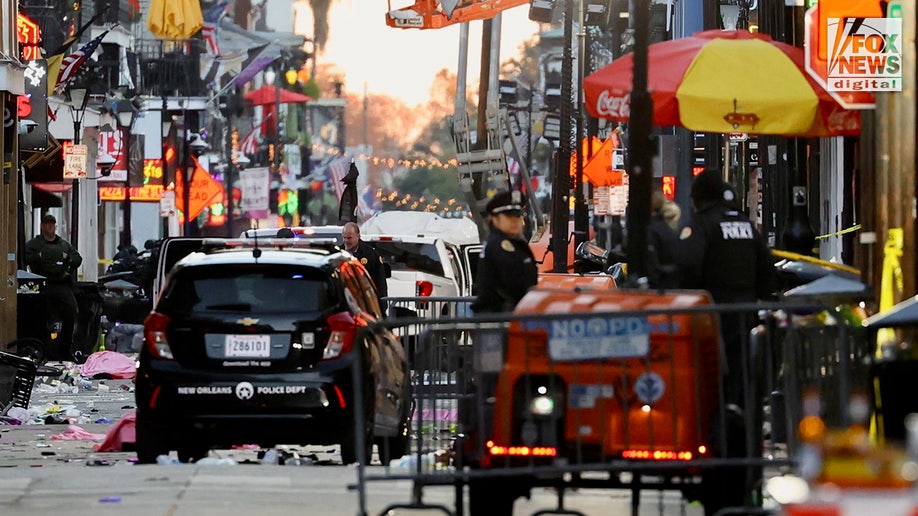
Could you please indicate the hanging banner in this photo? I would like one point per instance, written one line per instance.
(136, 162)
(255, 190)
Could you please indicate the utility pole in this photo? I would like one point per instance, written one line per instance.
(581, 210)
(640, 151)
(560, 189)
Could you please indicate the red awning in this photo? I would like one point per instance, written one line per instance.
(54, 187)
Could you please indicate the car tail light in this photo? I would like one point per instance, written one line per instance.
(342, 330)
(638, 454)
(521, 451)
(154, 332)
(423, 288)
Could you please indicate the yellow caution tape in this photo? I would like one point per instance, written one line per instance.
(891, 282)
(852, 229)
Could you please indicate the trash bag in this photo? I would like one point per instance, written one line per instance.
(86, 331)
(125, 338)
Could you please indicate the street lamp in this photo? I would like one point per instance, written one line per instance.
(78, 97)
(124, 111)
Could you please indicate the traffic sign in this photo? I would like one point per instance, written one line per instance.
(167, 204)
(75, 162)
(739, 137)
(203, 190)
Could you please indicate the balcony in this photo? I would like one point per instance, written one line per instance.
(170, 68)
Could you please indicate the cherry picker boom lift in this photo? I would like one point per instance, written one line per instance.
(481, 153)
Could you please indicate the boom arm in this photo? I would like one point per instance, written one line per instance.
(429, 14)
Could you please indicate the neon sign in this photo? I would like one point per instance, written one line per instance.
(29, 35)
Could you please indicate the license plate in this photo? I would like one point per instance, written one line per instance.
(248, 346)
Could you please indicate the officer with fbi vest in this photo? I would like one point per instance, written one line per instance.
(506, 268)
(722, 252)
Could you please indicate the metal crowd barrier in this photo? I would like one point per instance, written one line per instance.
(467, 373)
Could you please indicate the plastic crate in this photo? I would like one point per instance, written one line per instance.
(26, 371)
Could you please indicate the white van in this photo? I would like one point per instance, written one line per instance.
(429, 255)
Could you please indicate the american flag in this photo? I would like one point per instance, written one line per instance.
(209, 30)
(249, 144)
(337, 169)
(72, 63)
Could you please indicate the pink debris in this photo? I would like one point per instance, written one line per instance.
(77, 433)
(110, 363)
(124, 431)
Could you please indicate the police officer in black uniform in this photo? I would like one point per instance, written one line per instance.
(506, 267)
(506, 271)
(722, 252)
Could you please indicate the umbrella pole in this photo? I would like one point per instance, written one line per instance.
(640, 152)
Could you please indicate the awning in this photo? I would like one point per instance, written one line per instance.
(44, 199)
(54, 188)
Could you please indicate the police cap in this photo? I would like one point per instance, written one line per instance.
(508, 203)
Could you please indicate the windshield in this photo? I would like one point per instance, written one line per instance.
(247, 288)
(403, 256)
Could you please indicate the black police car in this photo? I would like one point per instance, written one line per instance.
(254, 342)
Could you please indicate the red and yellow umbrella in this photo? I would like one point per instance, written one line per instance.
(723, 82)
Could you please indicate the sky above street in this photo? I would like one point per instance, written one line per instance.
(400, 63)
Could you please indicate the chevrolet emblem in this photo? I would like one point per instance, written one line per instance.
(248, 321)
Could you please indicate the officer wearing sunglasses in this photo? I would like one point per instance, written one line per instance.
(506, 267)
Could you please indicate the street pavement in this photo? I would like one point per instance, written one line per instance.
(41, 473)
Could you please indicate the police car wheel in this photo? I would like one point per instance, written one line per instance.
(150, 442)
(192, 452)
